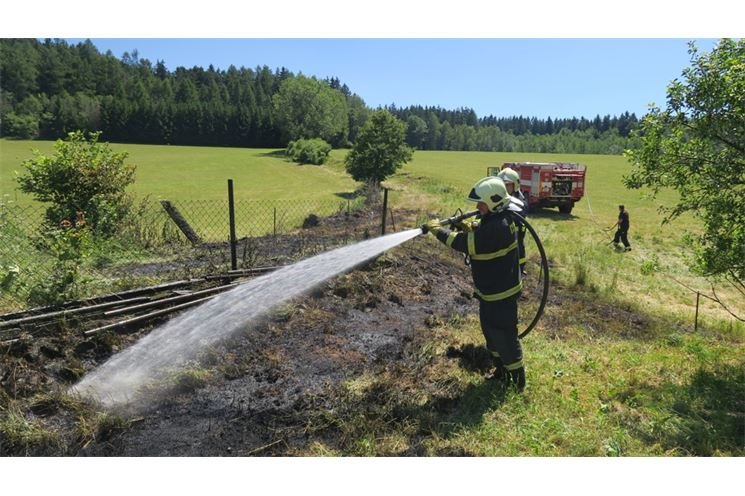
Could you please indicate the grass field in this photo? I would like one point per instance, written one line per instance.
(436, 183)
(199, 173)
(578, 244)
(195, 179)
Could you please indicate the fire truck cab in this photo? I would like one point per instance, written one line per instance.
(554, 184)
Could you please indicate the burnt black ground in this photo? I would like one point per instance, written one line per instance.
(274, 376)
(265, 385)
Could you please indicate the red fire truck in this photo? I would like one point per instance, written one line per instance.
(555, 184)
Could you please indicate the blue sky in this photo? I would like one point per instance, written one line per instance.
(533, 77)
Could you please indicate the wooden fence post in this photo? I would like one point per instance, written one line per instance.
(180, 221)
(385, 209)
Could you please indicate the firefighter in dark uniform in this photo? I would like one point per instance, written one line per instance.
(512, 182)
(623, 229)
(492, 247)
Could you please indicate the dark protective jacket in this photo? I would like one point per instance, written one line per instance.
(623, 221)
(493, 250)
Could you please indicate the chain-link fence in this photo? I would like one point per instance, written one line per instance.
(162, 241)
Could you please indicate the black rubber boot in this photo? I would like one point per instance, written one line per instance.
(499, 373)
(517, 379)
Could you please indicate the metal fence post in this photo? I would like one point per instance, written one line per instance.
(695, 323)
(231, 215)
(385, 209)
(275, 221)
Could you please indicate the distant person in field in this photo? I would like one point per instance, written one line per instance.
(512, 182)
(492, 247)
(623, 229)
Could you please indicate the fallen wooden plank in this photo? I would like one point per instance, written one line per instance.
(232, 274)
(66, 313)
(165, 301)
(148, 316)
(123, 295)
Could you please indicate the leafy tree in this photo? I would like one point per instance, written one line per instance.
(416, 131)
(696, 146)
(358, 115)
(308, 108)
(433, 131)
(380, 149)
(83, 176)
(21, 126)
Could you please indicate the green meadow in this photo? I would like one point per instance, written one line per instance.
(579, 244)
(614, 367)
(198, 173)
(269, 189)
(434, 184)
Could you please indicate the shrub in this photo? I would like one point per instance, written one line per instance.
(651, 266)
(82, 176)
(309, 151)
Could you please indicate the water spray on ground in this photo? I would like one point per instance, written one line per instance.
(166, 348)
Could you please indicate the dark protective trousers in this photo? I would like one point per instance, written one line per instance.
(499, 325)
(622, 235)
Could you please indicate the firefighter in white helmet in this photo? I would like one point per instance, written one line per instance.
(492, 247)
(512, 182)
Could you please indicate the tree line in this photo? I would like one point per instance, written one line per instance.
(50, 88)
(519, 125)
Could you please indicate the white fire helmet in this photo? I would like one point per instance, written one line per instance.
(509, 176)
(491, 191)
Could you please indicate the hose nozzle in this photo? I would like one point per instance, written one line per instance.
(451, 220)
(458, 218)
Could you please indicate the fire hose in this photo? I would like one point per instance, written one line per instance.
(456, 219)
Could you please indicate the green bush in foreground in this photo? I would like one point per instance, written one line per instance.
(84, 176)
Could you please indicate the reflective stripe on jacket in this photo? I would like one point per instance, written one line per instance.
(493, 250)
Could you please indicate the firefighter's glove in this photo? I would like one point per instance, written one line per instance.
(465, 225)
(431, 226)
